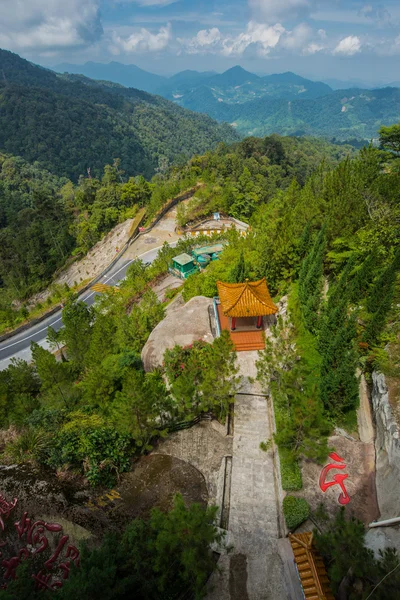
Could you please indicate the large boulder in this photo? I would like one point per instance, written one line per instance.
(183, 325)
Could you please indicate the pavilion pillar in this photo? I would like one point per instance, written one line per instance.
(233, 324)
(259, 322)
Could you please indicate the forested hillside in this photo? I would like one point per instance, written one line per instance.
(325, 233)
(70, 124)
(316, 224)
(45, 219)
(343, 114)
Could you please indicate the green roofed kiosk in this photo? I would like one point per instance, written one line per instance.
(183, 266)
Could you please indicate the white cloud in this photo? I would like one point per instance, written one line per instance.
(263, 38)
(207, 38)
(348, 46)
(313, 48)
(49, 25)
(152, 2)
(378, 14)
(260, 37)
(272, 11)
(298, 38)
(142, 41)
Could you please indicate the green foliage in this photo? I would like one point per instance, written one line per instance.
(265, 446)
(168, 556)
(23, 587)
(339, 385)
(288, 375)
(290, 471)
(239, 271)
(19, 390)
(311, 281)
(296, 511)
(297, 209)
(389, 137)
(379, 301)
(82, 124)
(297, 108)
(202, 377)
(30, 446)
(351, 564)
(100, 452)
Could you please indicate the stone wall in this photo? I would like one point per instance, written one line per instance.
(387, 446)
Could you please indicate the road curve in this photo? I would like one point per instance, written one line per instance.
(18, 346)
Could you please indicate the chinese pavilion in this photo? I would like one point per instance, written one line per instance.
(243, 300)
(241, 309)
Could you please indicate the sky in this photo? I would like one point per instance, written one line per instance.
(320, 39)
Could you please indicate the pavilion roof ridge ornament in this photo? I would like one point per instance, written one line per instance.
(248, 299)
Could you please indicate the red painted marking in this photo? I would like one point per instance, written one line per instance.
(56, 569)
(337, 479)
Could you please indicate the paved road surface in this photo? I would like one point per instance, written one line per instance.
(18, 346)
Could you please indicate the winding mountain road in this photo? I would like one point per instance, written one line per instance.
(18, 346)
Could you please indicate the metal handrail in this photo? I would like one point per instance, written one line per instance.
(217, 323)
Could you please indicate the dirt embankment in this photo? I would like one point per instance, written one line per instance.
(96, 260)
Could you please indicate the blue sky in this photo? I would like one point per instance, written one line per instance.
(317, 38)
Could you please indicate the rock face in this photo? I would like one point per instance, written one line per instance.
(183, 325)
(387, 446)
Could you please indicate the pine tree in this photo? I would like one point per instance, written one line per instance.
(383, 284)
(339, 385)
(239, 271)
(380, 300)
(78, 320)
(310, 282)
(359, 283)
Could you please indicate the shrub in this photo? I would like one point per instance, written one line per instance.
(296, 511)
(98, 452)
(290, 471)
(29, 446)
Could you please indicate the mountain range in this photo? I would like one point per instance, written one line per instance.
(70, 123)
(234, 85)
(256, 105)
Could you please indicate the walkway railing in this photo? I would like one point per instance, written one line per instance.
(217, 323)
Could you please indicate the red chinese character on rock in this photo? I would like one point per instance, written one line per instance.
(37, 537)
(5, 509)
(45, 581)
(36, 532)
(337, 479)
(12, 564)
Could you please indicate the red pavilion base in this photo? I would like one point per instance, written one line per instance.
(243, 340)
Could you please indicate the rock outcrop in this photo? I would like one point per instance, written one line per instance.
(387, 450)
(183, 325)
(387, 446)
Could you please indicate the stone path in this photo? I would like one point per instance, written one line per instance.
(253, 571)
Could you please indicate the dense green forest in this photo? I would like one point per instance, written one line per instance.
(45, 220)
(311, 219)
(70, 123)
(342, 114)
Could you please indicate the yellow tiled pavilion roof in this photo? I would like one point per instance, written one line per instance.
(249, 299)
(310, 566)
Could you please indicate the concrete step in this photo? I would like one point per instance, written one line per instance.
(247, 347)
